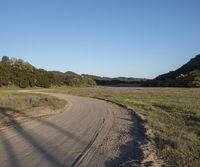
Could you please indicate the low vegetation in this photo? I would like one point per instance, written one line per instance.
(21, 101)
(25, 107)
(173, 115)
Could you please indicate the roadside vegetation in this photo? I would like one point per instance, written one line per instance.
(26, 106)
(21, 101)
(172, 114)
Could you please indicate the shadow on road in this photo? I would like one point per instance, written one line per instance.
(13, 161)
(25, 134)
(130, 153)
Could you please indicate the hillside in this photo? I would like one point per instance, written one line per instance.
(186, 76)
(22, 74)
(117, 81)
(16, 72)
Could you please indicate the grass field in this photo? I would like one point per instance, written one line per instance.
(172, 113)
(19, 101)
(26, 106)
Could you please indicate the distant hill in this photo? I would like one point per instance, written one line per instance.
(22, 74)
(193, 64)
(71, 73)
(117, 81)
(186, 76)
(16, 72)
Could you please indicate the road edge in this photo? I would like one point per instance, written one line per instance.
(149, 148)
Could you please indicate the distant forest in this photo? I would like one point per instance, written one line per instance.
(16, 72)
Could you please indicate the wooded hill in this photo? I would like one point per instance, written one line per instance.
(16, 72)
(22, 74)
(118, 81)
(186, 76)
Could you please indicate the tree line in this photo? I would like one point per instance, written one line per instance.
(22, 74)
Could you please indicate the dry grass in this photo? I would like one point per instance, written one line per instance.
(21, 101)
(26, 106)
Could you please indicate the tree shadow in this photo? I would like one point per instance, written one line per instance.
(44, 122)
(130, 154)
(25, 134)
(13, 161)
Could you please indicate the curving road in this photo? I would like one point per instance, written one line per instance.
(67, 139)
(89, 132)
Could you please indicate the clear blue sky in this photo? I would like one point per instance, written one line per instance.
(139, 38)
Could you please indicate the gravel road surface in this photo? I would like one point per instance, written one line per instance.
(90, 132)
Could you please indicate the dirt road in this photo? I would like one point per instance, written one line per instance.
(89, 133)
